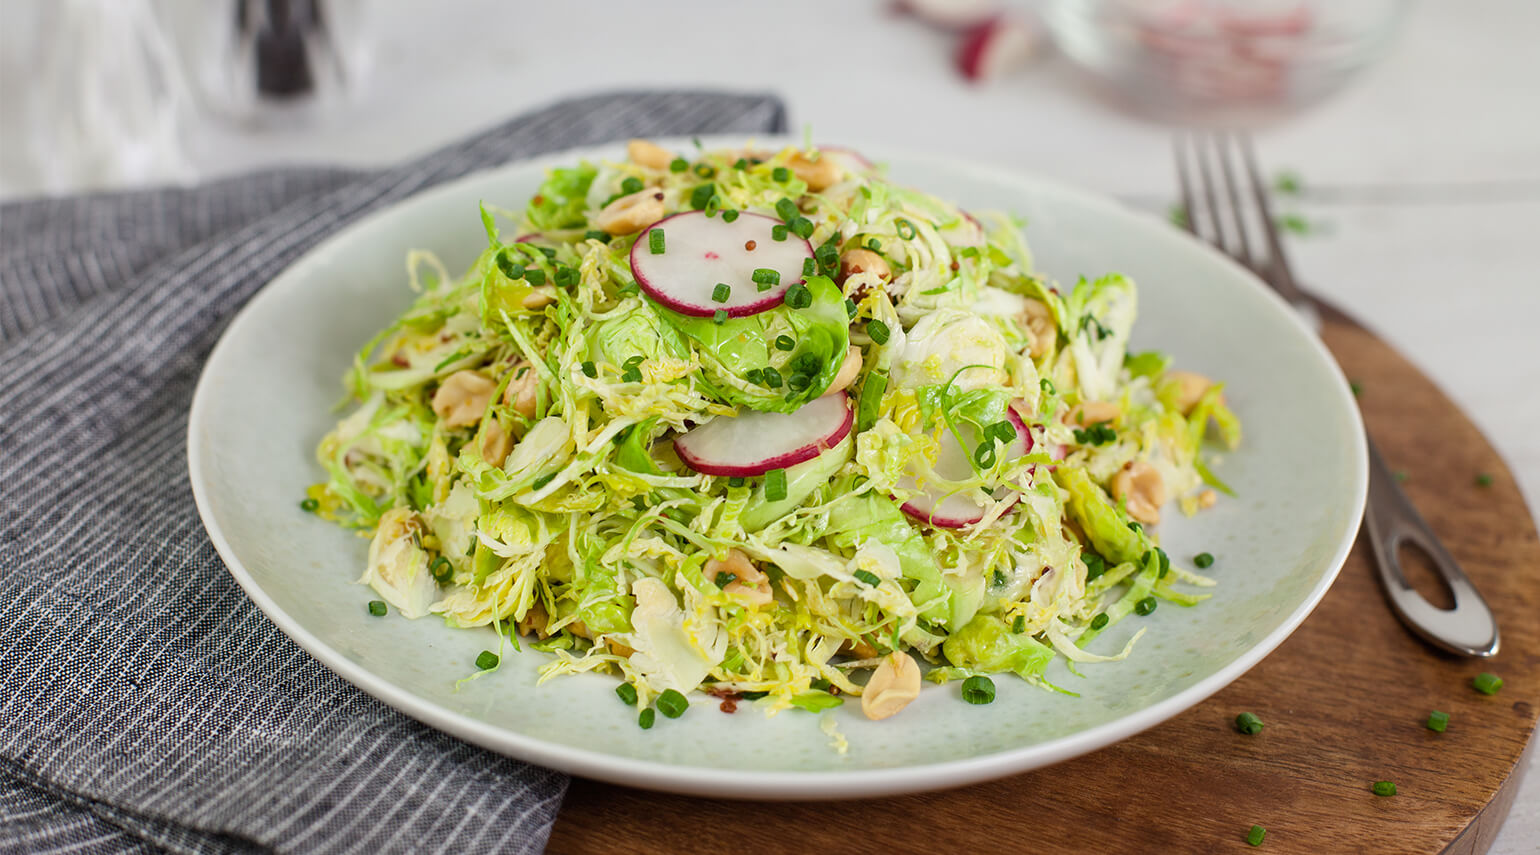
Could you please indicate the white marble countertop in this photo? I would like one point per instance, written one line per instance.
(1426, 172)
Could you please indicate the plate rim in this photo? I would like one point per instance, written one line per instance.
(769, 784)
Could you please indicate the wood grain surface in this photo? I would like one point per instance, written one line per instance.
(1344, 699)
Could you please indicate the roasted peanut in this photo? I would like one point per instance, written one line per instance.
(893, 685)
(859, 648)
(1089, 413)
(534, 622)
(631, 213)
(462, 398)
(1208, 499)
(649, 154)
(495, 444)
(849, 370)
(1139, 486)
(819, 174)
(520, 393)
(539, 297)
(853, 261)
(1190, 387)
(1038, 319)
(751, 585)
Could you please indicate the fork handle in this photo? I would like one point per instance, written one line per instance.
(1469, 628)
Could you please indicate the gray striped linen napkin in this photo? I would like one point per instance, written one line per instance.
(145, 703)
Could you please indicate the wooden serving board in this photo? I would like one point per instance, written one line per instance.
(1344, 699)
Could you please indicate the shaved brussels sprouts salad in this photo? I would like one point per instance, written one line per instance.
(769, 426)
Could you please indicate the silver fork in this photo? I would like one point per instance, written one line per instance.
(1206, 174)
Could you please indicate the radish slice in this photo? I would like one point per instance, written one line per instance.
(956, 509)
(950, 14)
(853, 161)
(754, 443)
(996, 46)
(701, 252)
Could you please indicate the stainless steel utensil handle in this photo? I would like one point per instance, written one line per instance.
(1469, 628)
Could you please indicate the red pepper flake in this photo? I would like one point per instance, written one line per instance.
(750, 246)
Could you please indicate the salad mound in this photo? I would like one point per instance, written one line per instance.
(768, 425)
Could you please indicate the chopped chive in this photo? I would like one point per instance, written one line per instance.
(850, 308)
(543, 480)
(778, 232)
(1203, 561)
(1357, 387)
(701, 196)
(984, 456)
(798, 296)
(1438, 721)
(441, 569)
(978, 690)
(509, 267)
(809, 267)
(1019, 625)
(1487, 683)
(871, 400)
(754, 375)
(802, 227)
(645, 720)
(704, 170)
(878, 331)
(486, 660)
(534, 276)
(655, 241)
(868, 577)
(377, 608)
(672, 704)
(1047, 386)
(905, 226)
(780, 174)
(807, 363)
(873, 244)
(1248, 723)
(309, 506)
(766, 277)
(1165, 562)
(736, 481)
(729, 215)
(775, 485)
(678, 164)
(741, 163)
(754, 696)
(798, 382)
(1384, 788)
(596, 234)
(631, 185)
(785, 342)
(590, 369)
(1483, 479)
(548, 251)
(723, 579)
(787, 210)
(1144, 606)
(719, 317)
(820, 685)
(772, 377)
(1095, 565)
(566, 277)
(1100, 621)
(1255, 835)
(628, 289)
(1135, 528)
(627, 693)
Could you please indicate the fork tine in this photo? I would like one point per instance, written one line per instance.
(1237, 210)
(1185, 182)
(1206, 177)
(1280, 274)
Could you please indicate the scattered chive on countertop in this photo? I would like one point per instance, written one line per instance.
(978, 690)
(626, 692)
(1384, 788)
(1487, 683)
(1248, 723)
(377, 608)
(646, 718)
(1438, 721)
(1255, 835)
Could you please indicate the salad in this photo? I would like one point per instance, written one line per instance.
(768, 426)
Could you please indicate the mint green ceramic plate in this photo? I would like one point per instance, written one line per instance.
(267, 396)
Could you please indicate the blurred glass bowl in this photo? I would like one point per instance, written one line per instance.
(1229, 62)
